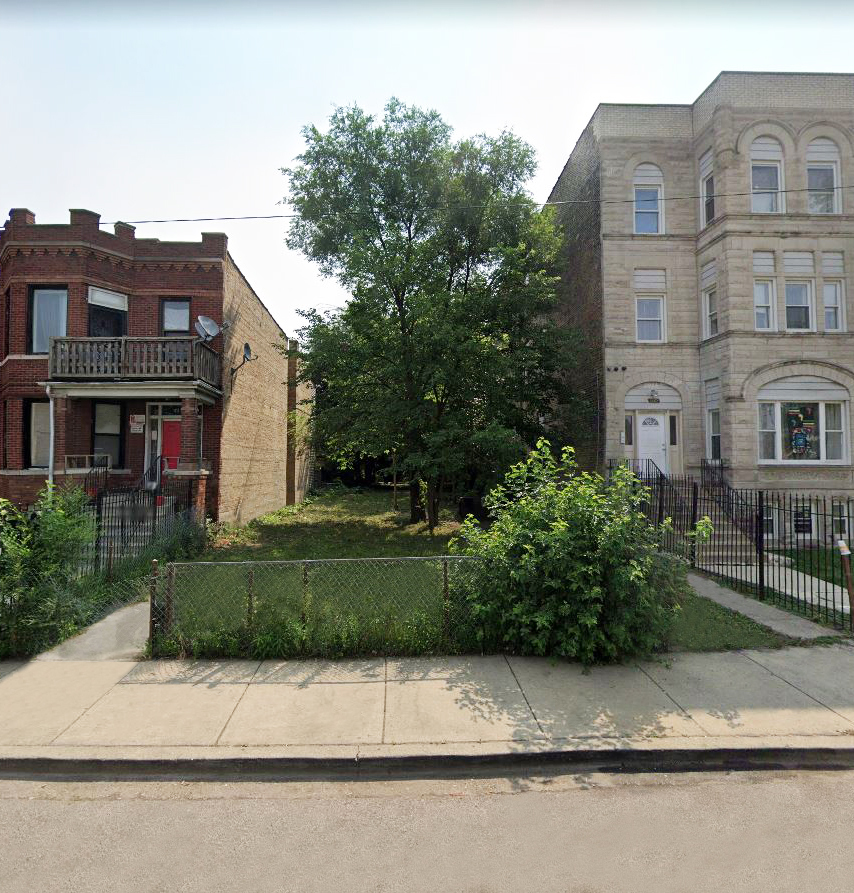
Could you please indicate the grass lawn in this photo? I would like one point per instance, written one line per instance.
(704, 625)
(362, 607)
(339, 523)
(821, 561)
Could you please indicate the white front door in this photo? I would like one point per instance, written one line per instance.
(652, 438)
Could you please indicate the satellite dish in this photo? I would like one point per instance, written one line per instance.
(207, 328)
(247, 358)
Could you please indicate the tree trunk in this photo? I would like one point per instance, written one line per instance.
(433, 504)
(416, 509)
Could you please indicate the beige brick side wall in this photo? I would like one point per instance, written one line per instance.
(254, 418)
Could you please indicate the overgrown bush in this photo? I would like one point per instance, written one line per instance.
(43, 596)
(39, 558)
(569, 567)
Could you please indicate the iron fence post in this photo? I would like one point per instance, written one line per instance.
(660, 498)
(694, 499)
(760, 541)
(152, 605)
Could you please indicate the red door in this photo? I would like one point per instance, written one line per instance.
(170, 442)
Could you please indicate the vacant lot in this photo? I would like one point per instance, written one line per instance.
(362, 607)
(340, 523)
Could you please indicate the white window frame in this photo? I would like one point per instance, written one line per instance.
(707, 314)
(43, 406)
(659, 208)
(778, 194)
(641, 296)
(713, 411)
(778, 431)
(839, 285)
(832, 166)
(810, 284)
(772, 303)
(708, 196)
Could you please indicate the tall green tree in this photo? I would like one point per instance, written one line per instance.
(446, 352)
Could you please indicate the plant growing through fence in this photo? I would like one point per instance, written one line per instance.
(571, 566)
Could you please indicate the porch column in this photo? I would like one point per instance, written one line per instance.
(60, 433)
(189, 433)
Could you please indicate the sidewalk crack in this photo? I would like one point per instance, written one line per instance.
(796, 688)
(230, 715)
(670, 697)
(527, 702)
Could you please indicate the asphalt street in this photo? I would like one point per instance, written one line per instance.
(781, 831)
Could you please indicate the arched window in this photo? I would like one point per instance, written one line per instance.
(648, 186)
(766, 176)
(803, 419)
(823, 177)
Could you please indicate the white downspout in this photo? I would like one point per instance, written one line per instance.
(50, 447)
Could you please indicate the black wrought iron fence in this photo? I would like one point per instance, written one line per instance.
(781, 545)
(129, 522)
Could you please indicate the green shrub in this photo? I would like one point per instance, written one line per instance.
(39, 559)
(569, 567)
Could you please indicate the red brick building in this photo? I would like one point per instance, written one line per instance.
(99, 357)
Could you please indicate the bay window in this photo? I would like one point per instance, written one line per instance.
(823, 162)
(766, 176)
(763, 304)
(765, 188)
(832, 305)
(799, 315)
(801, 431)
(37, 433)
(48, 311)
(821, 189)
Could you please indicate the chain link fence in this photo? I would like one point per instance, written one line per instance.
(323, 608)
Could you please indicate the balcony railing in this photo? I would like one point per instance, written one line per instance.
(97, 359)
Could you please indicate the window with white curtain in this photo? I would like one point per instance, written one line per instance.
(39, 434)
(48, 311)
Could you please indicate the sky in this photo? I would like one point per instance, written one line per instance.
(176, 109)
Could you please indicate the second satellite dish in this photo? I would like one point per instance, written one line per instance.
(207, 328)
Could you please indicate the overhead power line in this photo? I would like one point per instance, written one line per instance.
(438, 208)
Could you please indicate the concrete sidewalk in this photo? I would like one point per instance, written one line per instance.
(794, 698)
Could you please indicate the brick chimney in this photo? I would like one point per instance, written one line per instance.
(84, 219)
(21, 217)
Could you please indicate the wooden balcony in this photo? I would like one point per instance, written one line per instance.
(134, 359)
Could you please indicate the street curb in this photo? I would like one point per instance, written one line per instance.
(428, 766)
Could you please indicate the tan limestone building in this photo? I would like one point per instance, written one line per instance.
(710, 256)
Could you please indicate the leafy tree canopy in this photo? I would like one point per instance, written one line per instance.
(446, 351)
